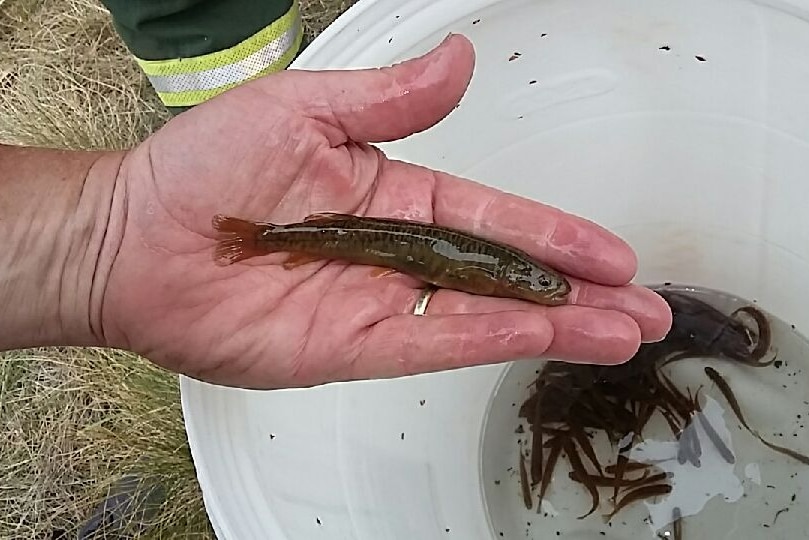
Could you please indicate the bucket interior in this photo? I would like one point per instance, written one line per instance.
(681, 126)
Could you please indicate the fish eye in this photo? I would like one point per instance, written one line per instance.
(544, 281)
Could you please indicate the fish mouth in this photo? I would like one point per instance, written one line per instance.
(560, 296)
(558, 299)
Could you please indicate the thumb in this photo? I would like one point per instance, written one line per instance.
(383, 104)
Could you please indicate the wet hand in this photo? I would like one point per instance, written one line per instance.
(295, 143)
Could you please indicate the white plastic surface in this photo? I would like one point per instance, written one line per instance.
(703, 166)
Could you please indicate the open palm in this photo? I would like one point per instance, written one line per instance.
(295, 143)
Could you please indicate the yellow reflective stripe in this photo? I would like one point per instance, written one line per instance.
(195, 97)
(186, 82)
(259, 40)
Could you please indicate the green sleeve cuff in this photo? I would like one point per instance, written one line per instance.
(193, 50)
(164, 29)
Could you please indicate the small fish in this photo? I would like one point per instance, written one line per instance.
(644, 415)
(699, 329)
(764, 337)
(605, 481)
(526, 489)
(536, 444)
(628, 466)
(679, 401)
(581, 473)
(620, 468)
(724, 388)
(668, 416)
(584, 443)
(645, 492)
(438, 255)
(555, 445)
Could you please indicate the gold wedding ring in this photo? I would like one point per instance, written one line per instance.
(424, 299)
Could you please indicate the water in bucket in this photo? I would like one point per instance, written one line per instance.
(732, 486)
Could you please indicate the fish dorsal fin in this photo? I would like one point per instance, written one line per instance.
(326, 216)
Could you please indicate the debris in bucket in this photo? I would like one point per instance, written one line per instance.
(569, 402)
(700, 58)
(781, 511)
(514, 56)
(664, 48)
(476, 21)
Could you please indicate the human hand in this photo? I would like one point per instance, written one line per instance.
(294, 143)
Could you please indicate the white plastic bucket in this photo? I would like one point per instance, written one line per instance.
(702, 164)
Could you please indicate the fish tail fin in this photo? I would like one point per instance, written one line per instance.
(242, 242)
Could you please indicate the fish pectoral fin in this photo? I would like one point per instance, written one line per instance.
(326, 216)
(383, 272)
(479, 277)
(295, 260)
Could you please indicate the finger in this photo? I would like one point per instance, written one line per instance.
(580, 334)
(647, 309)
(376, 105)
(409, 344)
(571, 244)
(592, 336)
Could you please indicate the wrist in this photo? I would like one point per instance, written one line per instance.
(58, 221)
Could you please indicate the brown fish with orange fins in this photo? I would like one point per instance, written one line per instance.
(438, 255)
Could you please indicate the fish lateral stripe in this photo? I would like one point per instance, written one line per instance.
(438, 255)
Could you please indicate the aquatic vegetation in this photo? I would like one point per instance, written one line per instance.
(571, 402)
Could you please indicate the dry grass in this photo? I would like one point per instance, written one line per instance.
(66, 79)
(318, 14)
(74, 421)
